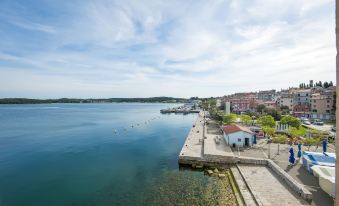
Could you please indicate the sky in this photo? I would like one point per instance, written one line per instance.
(107, 48)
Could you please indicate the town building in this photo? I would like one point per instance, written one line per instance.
(302, 103)
(236, 135)
(285, 99)
(267, 95)
(322, 105)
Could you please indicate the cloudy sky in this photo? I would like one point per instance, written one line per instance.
(61, 48)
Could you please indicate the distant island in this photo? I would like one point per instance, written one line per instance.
(109, 100)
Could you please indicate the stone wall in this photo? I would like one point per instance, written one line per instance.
(291, 182)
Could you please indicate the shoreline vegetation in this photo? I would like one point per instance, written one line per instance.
(108, 100)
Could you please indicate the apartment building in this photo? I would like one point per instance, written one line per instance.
(322, 105)
(267, 95)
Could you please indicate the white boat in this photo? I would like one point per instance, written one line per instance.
(326, 178)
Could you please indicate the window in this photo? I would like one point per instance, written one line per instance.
(314, 101)
(314, 110)
(239, 139)
(327, 111)
(328, 106)
(328, 101)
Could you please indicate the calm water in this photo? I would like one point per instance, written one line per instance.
(69, 154)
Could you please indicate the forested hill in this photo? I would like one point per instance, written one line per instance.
(110, 100)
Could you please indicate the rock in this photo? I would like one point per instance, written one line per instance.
(210, 172)
(216, 170)
(221, 175)
(199, 166)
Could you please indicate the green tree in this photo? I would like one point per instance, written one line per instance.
(212, 102)
(295, 132)
(326, 85)
(270, 131)
(229, 118)
(320, 84)
(291, 121)
(260, 108)
(266, 121)
(245, 119)
(273, 112)
(285, 109)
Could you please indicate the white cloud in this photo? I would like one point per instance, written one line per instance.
(196, 48)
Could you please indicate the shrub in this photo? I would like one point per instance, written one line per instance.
(282, 139)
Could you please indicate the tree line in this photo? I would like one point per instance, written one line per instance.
(109, 100)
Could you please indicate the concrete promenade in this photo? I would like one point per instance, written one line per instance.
(297, 171)
(200, 144)
(193, 146)
(258, 175)
(267, 186)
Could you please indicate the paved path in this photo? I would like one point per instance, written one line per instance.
(200, 143)
(193, 147)
(298, 172)
(211, 148)
(267, 186)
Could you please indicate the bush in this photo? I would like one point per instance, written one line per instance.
(282, 139)
(295, 132)
(311, 141)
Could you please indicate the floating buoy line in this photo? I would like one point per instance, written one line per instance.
(132, 126)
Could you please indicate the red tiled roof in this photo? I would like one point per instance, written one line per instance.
(231, 128)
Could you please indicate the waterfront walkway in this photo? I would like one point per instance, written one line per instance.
(193, 147)
(267, 187)
(200, 143)
(216, 151)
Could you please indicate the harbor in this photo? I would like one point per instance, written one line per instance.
(206, 148)
(190, 107)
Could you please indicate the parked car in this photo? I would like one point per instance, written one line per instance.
(307, 122)
(318, 122)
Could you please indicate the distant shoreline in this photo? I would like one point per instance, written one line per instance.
(109, 100)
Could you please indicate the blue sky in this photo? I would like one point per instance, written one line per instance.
(53, 49)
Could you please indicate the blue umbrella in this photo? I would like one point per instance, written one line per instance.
(324, 145)
(291, 159)
(299, 150)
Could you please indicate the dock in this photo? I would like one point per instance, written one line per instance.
(183, 111)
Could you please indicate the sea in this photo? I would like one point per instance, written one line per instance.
(96, 154)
